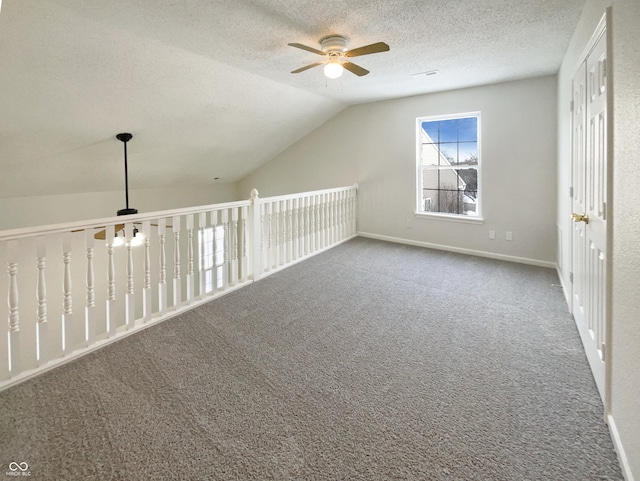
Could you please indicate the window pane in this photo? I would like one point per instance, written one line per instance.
(430, 154)
(468, 153)
(449, 154)
(431, 128)
(470, 179)
(445, 201)
(448, 130)
(468, 129)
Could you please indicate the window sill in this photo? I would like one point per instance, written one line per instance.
(450, 218)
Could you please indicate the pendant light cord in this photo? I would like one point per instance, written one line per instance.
(124, 138)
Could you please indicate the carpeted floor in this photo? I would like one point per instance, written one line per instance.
(371, 361)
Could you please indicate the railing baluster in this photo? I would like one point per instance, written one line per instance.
(255, 237)
(264, 238)
(129, 300)
(147, 293)
(190, 279)
(339, 216)
(319, 222)
(13, 338)
(312, 224)
(343, 211)
(306, 226)
(111, 284)
(67, 305)
(234, 246)
(354, 210)
(276, 233)
(217, 283)
(177, 281)
(42, 326)
(289, 230)
(323, 218)
(202, 279)
(90, 308)
(269, 214)
(162, 282)
(334, 215)
(226, 259)
(327, 218)
(315, 202)
(295, 221)
(244, 210)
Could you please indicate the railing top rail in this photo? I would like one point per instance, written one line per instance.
(307, 194)
(13, 234)
(107, 221)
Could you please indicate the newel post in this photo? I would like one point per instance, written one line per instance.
(256, 237)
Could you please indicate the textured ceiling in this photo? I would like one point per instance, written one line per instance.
(205, 88)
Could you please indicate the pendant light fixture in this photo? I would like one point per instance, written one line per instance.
(124, 138)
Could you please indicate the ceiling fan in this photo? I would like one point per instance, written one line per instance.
(334, 49)
(137, 235)
(124, 138)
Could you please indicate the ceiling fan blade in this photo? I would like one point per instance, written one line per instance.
(356, 69)
(306, 67)
(367, 49)
(308, 49)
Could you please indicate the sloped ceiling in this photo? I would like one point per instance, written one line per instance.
(204, 86)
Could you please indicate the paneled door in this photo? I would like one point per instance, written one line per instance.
(589, 206)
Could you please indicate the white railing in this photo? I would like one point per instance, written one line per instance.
(129, 272)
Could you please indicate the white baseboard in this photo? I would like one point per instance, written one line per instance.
(622, 456)
(459, 250)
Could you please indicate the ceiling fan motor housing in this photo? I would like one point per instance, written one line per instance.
(334, 44)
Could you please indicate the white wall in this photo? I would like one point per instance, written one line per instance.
(18, 212)
(375, 146)
(624, 253)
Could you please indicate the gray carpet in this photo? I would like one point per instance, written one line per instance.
(371, 361)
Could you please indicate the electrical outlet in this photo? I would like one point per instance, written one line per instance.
(508, 235)
(492, 234)
(409, 224)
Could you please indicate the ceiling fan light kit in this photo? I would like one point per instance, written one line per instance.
(334, 49)
(333, 69)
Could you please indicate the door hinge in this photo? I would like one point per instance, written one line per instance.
(604, 211)
(571, 106)
(603, 348)
(571, 277)
(570, 191)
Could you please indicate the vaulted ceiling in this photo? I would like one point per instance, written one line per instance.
(205, 86)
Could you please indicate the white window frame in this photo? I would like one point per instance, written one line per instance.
(419, 211)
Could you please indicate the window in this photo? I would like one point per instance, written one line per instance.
(449, 165)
